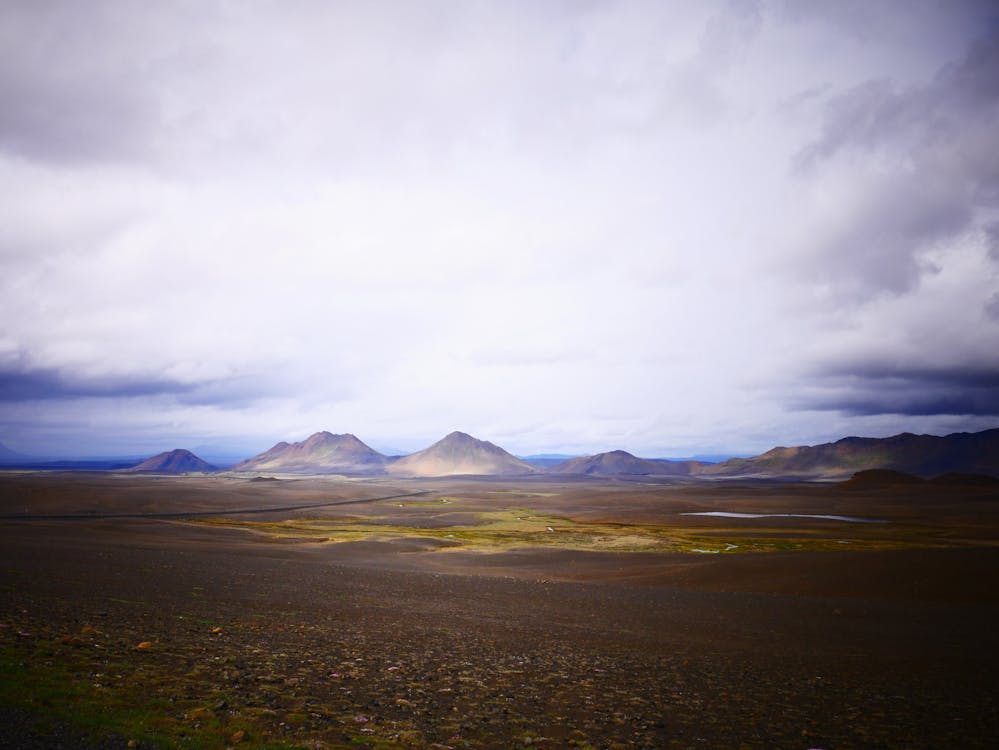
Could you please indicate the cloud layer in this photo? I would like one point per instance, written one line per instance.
(666, 227)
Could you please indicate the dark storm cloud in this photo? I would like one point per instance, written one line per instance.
(55, 385)
(931, 155)
(52, 384)
(875, 390)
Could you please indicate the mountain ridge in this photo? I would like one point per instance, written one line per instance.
(921, 455)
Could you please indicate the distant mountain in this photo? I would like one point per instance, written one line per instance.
(459, 453)
(922, 455)
(546, 460)
(321, 453)
(8, 456)
(178, 461)
(622, 463)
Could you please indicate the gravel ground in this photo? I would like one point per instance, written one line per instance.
(327, 646)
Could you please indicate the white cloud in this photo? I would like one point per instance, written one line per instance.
(560, 226)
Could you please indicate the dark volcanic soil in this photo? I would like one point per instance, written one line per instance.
(325, 645)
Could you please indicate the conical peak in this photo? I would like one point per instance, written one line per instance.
(619, 454)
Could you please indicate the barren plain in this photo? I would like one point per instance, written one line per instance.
(223, 611)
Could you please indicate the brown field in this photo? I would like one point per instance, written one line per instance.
(494, 614)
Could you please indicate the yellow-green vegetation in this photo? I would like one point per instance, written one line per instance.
(65, 682)
(497, 530)
(101, 688)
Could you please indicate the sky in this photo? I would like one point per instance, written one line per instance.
(673, 228)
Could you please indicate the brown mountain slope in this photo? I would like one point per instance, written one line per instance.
(459, 453)
(178, 461)
(621, 463)
(922, 455)
(321, 453)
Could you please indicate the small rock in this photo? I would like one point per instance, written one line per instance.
(144, 646)
(133, 743)
(238, 736)
(216, 631)
(200, 714)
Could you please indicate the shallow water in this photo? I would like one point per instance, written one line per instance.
(729, 514)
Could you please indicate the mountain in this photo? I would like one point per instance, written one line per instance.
(178, 461)
(921, 455)
(459, 453)
(321, 453)
(618, 463)
(546, 460)
(7, 456)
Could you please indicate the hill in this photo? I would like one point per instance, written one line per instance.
(8, 456)
(321, 453)
(459, 453)
(873, 478)
(957, 479)
(178, 461)
(922, 455)
(622, 463)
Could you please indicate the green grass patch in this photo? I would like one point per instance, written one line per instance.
(496, 530)
(96, 692)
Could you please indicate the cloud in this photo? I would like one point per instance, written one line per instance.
(50, 384)
(874, 388)
(571, 224)
(992, 307)
(61, 385)
(897, 171)
(70, 100)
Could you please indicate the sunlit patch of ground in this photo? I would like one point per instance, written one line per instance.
(499, 530)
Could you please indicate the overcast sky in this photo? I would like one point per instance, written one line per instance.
(667, 227)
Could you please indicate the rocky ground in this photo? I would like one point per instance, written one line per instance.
(140, 633)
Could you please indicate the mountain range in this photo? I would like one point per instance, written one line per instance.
(921, 455)
(458, 453)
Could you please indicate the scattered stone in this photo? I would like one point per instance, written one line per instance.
(144, 646)
(200, 714)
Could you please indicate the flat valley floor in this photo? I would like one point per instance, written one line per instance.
(217, 611)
